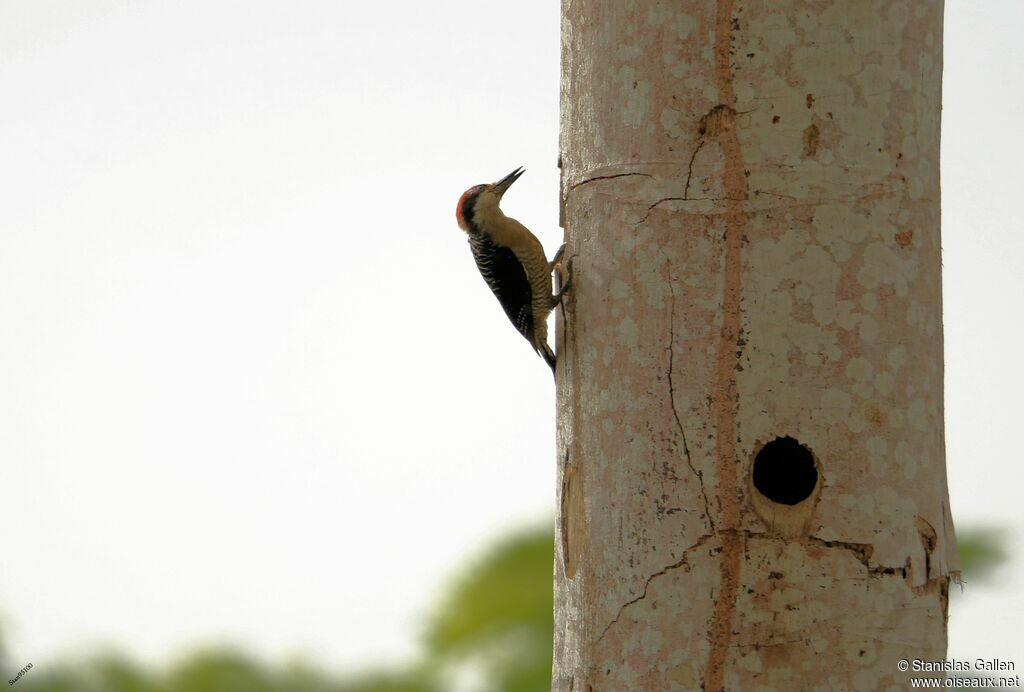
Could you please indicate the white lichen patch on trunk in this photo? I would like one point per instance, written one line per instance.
(752, 193)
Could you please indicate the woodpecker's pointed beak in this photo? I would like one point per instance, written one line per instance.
(505, 183)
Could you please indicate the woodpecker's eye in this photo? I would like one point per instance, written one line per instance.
(465, 200)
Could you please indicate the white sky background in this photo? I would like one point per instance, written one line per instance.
(242, 338)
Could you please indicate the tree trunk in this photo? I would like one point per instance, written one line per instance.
(751, 461)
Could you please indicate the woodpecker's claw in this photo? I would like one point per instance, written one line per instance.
(557, 258)
(564, 276)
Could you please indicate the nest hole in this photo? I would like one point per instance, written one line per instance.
(785, 472)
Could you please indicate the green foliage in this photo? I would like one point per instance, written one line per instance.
(99, 675)
(496, 619)
(509, 590)
(981, 550)
(213, 671)
(411, 680)
(498, 615)
(224, 671)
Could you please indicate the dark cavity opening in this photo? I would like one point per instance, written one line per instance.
(784, 471)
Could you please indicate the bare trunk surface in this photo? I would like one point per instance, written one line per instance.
(752, 193)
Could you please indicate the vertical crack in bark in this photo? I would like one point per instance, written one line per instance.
(672, 399)
(563, 519)
(929, 539)
(726, 395)
(689, 170)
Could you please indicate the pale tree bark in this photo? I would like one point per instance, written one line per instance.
(751, 190)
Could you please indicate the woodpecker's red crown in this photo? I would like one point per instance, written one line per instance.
(467, 202)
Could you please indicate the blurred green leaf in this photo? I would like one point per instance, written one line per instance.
(498, 615)
(509, 589)
(981, 550)
(220, 671)
(117, 673)
(495, 619)
(390, 681)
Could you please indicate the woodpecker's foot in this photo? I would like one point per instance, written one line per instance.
(565, 278)
(556, 259)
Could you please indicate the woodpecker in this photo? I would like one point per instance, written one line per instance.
(512, 261)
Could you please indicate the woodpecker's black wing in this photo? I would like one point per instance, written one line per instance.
(506, 276)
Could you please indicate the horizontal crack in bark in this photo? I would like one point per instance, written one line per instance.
(862, 551)
(661, 201)
(607, 177)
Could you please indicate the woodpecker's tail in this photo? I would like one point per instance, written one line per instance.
(548, 355)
